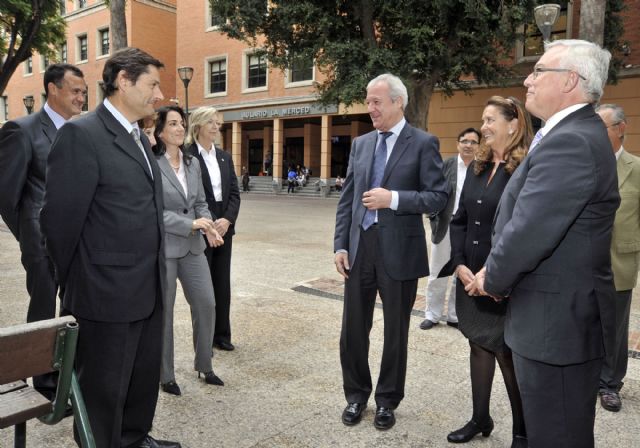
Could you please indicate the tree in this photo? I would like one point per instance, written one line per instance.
(118, 24)
(429, 44)
(592, 15)
(25, 26)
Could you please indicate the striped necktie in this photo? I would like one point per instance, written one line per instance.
(379, 164)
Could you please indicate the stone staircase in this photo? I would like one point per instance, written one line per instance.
(264, 185)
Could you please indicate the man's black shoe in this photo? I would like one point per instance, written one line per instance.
(452, 324)
(384, 418)
(224, 345)
(427, 324)
(352, 414)
(610, 400)
(150, 442)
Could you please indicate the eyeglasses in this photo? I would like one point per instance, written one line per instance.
(617, 123)
(468, 142)
(538, 70)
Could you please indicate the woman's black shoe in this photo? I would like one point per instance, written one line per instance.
(469, 431)
(211, 378)
(171, 388)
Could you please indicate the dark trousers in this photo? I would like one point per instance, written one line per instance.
(558, 401)
(219, 259)
(42, 289)
(366, 279)
(614, 368)
(118, 367)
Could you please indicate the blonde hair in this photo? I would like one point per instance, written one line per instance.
(197, 118)
(517, 146)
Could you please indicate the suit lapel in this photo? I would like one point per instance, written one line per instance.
(402, 143)
(168, 172)
(224, 172)
(206, 179)
(122, 140)
(192, 179)
(624, 168)
(369, 148)
(48, 127)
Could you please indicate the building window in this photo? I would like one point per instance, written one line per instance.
(82, 3)
(63, 53)
(218, 76)
(63, 7)
(82, 48)
(28, 65)
(4, 108)
(533, 46)
(103, 39)
(301, 69)
(85, 106)
(44, 61)
(257, 71)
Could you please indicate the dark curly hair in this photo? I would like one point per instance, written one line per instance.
(518, 144)
(161, 121)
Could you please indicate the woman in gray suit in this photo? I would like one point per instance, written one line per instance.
(186, 215)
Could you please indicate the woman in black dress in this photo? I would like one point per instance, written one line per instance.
(506, 132)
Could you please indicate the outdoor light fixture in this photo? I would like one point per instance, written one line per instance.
(186, 73)
(546, 16)
(28, 103)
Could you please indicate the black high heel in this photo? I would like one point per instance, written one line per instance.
(469, 431)
(211, 378)
(171, 388)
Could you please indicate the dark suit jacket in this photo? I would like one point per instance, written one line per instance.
(102, 220)
(230, 191)
(414, 170)
(551, 244)
(440, 222)
(24, 147)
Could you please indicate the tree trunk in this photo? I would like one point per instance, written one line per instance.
(592, 20)
(420, 92)
(118, 24)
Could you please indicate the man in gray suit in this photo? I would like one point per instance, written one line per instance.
(380, 244)
(24, 147)
(455, 171)
(550, 250)
(625, 254)
(103, 225)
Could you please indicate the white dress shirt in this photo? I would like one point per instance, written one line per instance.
(211, 161)
(180, 173)
(558, 116)
(461, 175)
(58, 120)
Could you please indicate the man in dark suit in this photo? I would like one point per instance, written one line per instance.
(102, 221)
(550, 251)
(380, 244)
(24, 147)
(455, 171)
(223, 197)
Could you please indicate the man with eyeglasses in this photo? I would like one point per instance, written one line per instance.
(550, 249)
(455, 171)
(625, 254)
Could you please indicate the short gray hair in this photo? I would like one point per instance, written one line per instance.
(396, 87)
(617, 113)
(590, 61)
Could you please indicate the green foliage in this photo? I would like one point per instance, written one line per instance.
(27, 26)
(613, 32)
(425, 42)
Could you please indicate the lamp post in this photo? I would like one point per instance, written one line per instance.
(28, 102)
(186, 73)
(546, 16)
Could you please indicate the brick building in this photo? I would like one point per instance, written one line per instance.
(270, 115)
(151, 25)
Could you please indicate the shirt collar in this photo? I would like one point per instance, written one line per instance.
(202, 150)
(121, 118)
(559, 116)
(58, 120)
(619, 152)
(395, 130)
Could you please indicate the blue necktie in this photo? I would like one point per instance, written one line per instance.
(379, 163)
(535, 141)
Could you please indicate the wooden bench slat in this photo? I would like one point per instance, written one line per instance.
(10, 387)
(22, 405)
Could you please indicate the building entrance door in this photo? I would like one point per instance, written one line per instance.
(255, 156)
(340, 150)
(293, 153)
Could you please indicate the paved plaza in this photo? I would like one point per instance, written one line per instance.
(283, 385)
